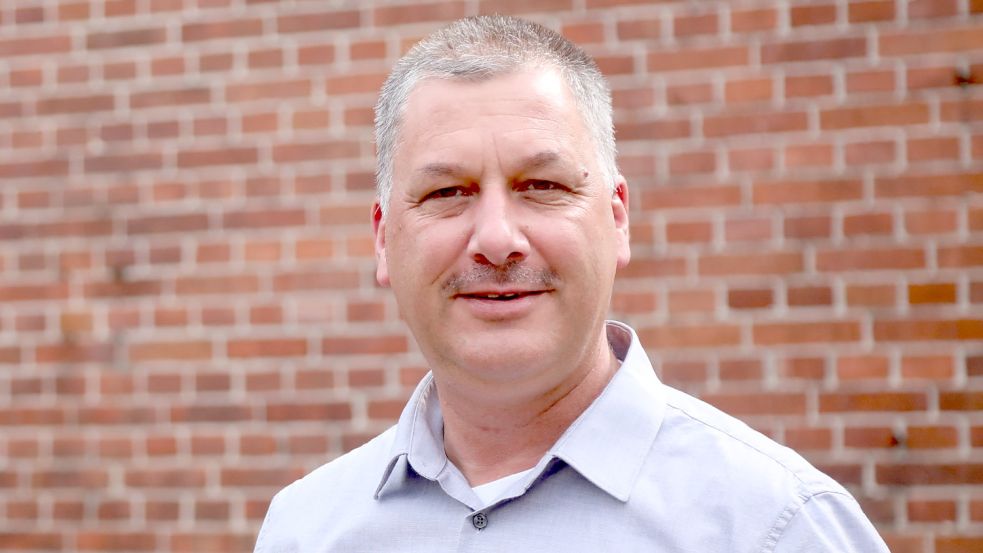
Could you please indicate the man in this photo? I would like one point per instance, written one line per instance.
(500, 222)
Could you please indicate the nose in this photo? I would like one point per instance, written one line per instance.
(497, 236)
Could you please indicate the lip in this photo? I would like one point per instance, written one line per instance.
(500, 309)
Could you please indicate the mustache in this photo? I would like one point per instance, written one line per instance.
(512, 273)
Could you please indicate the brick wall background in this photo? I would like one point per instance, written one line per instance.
(188, 314)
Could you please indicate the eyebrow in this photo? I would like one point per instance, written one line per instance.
(535, 161)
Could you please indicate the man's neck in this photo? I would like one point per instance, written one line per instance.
(488, 440)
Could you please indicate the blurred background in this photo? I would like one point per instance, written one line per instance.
(188, 313)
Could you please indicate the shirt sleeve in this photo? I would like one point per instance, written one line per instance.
(268, 541)
(829, 522)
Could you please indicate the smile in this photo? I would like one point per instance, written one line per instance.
(500, 296)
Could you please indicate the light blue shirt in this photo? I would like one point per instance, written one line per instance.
(644, 468)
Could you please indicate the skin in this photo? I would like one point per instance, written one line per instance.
(498, 192)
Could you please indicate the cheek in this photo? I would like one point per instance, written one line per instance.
(423, 256)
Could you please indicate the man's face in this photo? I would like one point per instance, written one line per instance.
(502, 238)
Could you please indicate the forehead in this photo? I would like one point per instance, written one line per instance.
(514, 113)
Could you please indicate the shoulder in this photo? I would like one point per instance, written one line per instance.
(360, 467)
(339, 485)
(752, 482)
(740, 446)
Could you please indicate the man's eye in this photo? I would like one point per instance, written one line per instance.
(537, 184)
(448, 192)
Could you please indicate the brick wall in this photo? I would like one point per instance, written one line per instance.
(189, 319)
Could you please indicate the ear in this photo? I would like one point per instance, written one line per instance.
(619, 208)
(379, 234)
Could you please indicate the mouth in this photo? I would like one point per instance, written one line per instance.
(500, 296)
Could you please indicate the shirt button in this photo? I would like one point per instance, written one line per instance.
(479, 520)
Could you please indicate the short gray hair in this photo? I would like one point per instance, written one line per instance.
(482, 47)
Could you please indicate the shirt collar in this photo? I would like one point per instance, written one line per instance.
(627, 415)
(610, 441)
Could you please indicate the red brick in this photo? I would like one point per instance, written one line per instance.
(689, 231)
(690, 301)
(654, 130)
(928, 329)
(579, 32)
(931, 510)
(220, 156)
(808, 86)
(932, 437)
(749, 298)
(318, 22)
(748, 90)
(127, 38)
(686, 25)
(871, 438)
(937, 221)
(176, 97)
(961, 401)
(28, 540)
(870, 260)
(633, 302)
(360, 345)
(690, 196)
(759, 403)
(925, 42)
(729, 125)
(862, 367)
(193, 32)
(317, 54)
(961, 111)
(267, 348)
(907, 474)
(804, 438)
(868, 224)
(417, 13)
(804, 333)
(748, 230)
(870, 153)
(642, 28)
(316, 151)
(740, 369)
(252, 477)
(751, 263)
(872, 11)
(809, 155)
(812, 14)
(931, 293)
(811, 50)
(215, 62)
(688, 336)
(76, 104)
(247, 92)
(784, 193)
(952, 184)
(751, 159)
(37, 45)
(688, 94)
(193, 542)
(124, 162)
(159, 351)
(960, 256)
(758, 19)
(689, 163)
(809, 296)
(874, 116)
(876, 401)
(695, 59)
(958, 544)
(933, 149)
